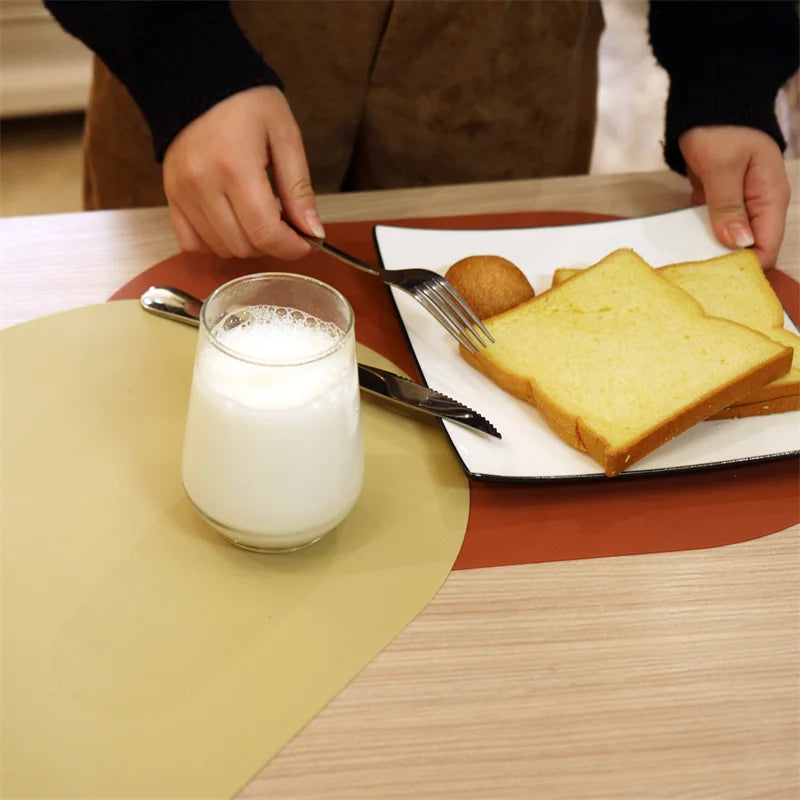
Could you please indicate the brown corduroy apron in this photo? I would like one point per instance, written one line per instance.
(392, 93)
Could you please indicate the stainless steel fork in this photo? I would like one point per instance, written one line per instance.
(434, 293)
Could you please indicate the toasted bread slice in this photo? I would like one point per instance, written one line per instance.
(620, 360)
(733, 286)
(563, 274)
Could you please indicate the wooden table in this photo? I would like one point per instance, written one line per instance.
(650, 676)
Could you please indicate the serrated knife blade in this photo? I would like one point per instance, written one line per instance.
(409, 393)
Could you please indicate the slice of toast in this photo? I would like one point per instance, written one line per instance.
(733, 286)
(620, 360)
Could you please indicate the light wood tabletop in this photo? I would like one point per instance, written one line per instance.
(649, 676)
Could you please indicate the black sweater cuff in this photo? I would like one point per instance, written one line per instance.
(177, 59)
(726, 62)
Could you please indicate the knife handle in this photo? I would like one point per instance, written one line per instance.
(165, 301)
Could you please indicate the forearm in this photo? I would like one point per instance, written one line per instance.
(726, 62)
(177, 59)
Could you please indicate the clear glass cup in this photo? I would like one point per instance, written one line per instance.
(273, 455)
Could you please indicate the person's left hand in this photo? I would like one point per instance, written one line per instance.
(740, 174)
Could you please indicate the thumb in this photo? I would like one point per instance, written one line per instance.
(724, 191)
(698, 195)
(293, 183)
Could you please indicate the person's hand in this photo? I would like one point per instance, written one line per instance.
(215, 178)
(739, 172)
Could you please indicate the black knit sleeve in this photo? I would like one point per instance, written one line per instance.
(177, 59)
(726, 62)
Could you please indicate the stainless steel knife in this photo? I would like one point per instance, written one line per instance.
(182, 307)
(414, 395)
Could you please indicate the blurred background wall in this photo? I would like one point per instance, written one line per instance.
(44, 79)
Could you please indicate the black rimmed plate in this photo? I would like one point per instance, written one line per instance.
(529, 450)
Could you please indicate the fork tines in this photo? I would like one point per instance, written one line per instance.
(446, 304)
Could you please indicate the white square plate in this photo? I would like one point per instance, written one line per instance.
(529, 450)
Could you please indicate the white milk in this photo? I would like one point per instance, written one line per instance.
(273, 453)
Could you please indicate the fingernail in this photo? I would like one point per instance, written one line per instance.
(741, 235)
(314, 224)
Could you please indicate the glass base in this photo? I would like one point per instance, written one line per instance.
(254, 549)
(234, 536)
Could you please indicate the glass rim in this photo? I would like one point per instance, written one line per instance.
(257, 276)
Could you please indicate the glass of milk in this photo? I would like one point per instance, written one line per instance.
(272, 453)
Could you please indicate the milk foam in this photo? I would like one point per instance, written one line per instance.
(276, 334)
(285, 343)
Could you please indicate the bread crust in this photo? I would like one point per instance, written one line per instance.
(770, 392)
(578, 434)
(615, 462)
(776, 405)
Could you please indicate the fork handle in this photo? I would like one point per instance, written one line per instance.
(321, 244)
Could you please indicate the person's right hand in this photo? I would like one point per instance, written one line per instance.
(215, 178)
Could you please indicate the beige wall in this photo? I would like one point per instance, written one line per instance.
(42, 69)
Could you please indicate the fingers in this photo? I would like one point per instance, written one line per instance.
(293, 181)
(768, 232)
(188, 238)
(767, 194)
(243, 225)
(741, 173)
(202, 232)
(698, 195)
(723, 185)
(259, 217)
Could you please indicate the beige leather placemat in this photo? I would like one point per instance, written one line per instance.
(143, 655)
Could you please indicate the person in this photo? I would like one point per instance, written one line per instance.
(389, 93)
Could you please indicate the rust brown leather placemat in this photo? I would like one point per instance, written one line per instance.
(518, 523)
